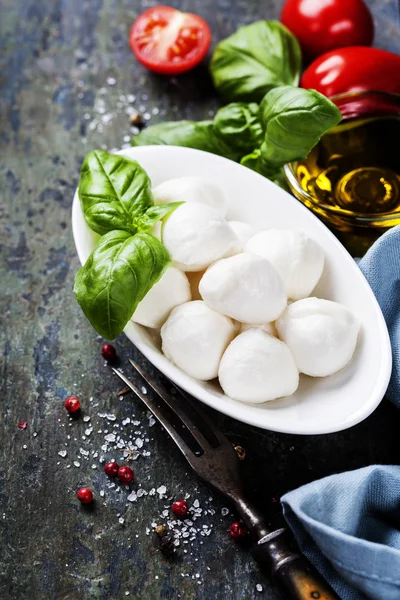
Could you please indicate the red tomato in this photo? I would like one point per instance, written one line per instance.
(168, 41)
(353, 69)
(322, 25)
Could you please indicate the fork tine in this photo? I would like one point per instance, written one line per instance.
(186, 420)
(183, 447)
(221, 437)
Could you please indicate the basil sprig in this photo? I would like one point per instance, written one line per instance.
(116, 199)
(254, 60)
(201, 135)
(287, 124)
(235, 130)
(115, 192)
(117, 276)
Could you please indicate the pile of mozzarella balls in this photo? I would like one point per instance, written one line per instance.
(235, 304)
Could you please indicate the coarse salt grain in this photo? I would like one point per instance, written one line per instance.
(161, 491)
(259, 587)
(62, 453)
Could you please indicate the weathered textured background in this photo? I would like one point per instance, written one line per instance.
(67, 81)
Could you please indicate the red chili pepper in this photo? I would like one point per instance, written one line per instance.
(322, 25)
(353, 69)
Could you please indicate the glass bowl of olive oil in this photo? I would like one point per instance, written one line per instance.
(351, 179)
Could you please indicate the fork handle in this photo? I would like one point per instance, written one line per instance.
(295, 577)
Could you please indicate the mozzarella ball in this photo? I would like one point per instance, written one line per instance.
(244, 287)
(191, 189)
(298, 259)
(195, 235)
(257, 367)
(194, 279)
(243, 231)
(321, 335)
(194, 337)
(267, 327)
(171, 290)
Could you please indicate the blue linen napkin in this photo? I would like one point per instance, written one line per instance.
(348, 524)
(381, 268)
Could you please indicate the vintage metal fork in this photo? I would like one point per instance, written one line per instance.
(212, 456)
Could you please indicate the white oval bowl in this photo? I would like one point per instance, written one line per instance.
(319, 405)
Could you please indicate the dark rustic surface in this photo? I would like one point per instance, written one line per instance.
(56, 57)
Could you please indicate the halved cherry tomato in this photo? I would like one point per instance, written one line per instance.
(353, 69)
(323, 25)
(168, 41)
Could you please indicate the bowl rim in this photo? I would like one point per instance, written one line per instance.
(186, 382)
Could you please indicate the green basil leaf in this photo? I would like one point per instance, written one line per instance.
(172, 133)
(114, 191)
(116, 277)
(255, 59)
(239, 125)
(154, 214)
(256, 162)
(294, 121)
(189, 134)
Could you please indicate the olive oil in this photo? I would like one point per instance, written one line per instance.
(353, 174)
